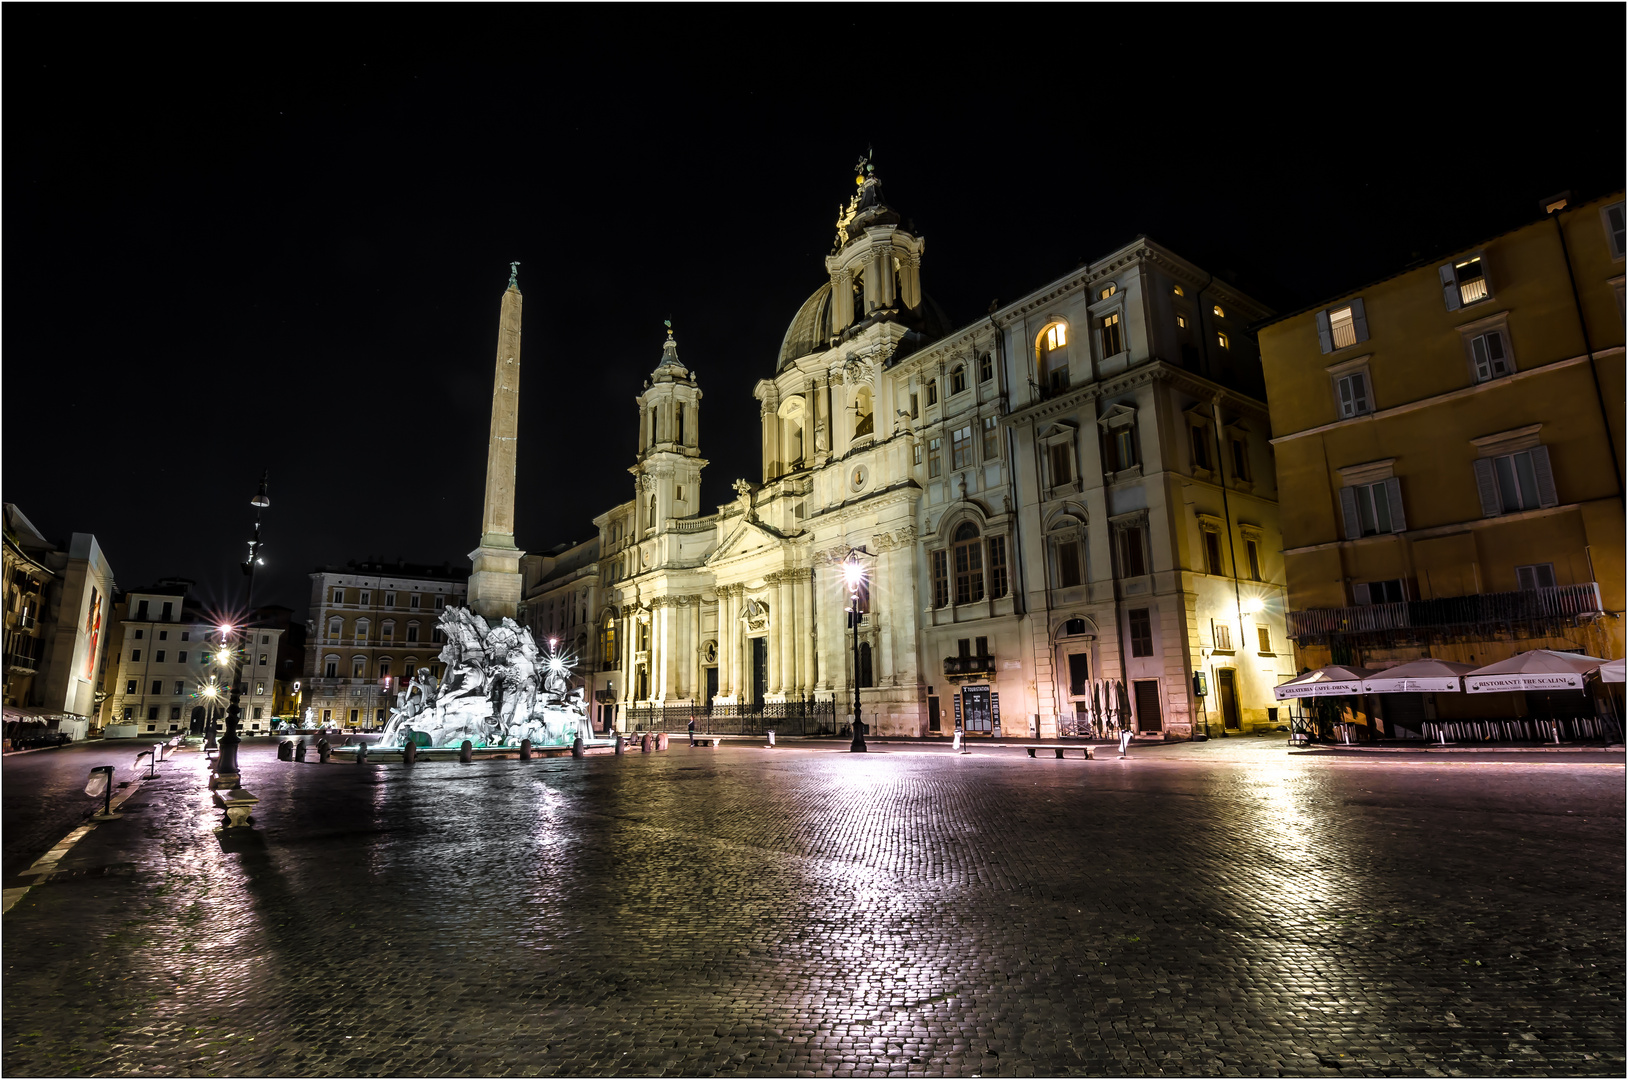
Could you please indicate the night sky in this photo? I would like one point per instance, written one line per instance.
(244, 239)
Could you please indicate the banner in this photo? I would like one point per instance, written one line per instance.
(1494, 684)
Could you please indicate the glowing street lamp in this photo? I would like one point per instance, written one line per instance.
(853, 572)
(226, 763)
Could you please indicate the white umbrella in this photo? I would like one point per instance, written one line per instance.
(1331, 681)
(1427, 676)
(1537, 669)
(1613, 671)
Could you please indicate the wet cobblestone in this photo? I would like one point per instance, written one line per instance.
(746, 912)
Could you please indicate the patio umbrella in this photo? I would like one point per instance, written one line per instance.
(1613, 671)
(1124, 705)
(1335, 680)
(1536, 669)
(1425, 676)
(1096, 703)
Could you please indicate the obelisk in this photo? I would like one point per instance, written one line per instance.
(495, 582)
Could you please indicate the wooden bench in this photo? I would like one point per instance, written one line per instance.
(1053, 746)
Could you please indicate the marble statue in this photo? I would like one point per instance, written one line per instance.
(499, 689)
(310, 717)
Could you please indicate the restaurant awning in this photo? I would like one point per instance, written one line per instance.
(1612, 671)
(1331, 681)
(1427, 676)
(1536, 669)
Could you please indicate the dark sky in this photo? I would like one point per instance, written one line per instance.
(240, 239)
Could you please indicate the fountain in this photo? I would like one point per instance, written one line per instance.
(499, 689)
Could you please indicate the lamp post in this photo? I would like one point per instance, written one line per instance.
(226, 763)
(853, 571)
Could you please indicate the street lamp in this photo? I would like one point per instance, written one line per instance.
(853, 572)
(226, 763)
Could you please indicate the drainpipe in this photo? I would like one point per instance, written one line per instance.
(1582, 324)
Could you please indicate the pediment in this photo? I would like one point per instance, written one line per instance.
(749, 538)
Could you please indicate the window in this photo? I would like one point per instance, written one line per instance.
(1141, 632)
(650, 521)
(986, 367)
(1068, 564)
(1222, 634)
(969, 564)
(407, 670)
(1339, 328)
(130, 686)
(138, 635)
(262, 660)
(997, 567)
(336, 627)
(1074, 627)
(158, 658)
(1353, 393)
(175, 712)
(932, 391)
(258, 712)
(1056, 336)
(1240, 460)
(607, 644)
(1491, 358)
(330, 667)
(141, 612)
(158, 687)
(361, 630)
(186, 635)
(1612, 216)
(367, 597)
(180, 687)
(916, 452)
(1378, 592)
(152, 713)
(163, 635)
(1201, 445)
(387, 631)
(991, 438)
(129, 713)
(1517, 484)
(1107, 291)
(1178, 291)
(961, 447)
(1254, 552)
(1053, 356)
(1535, 576)
(678, 422)
(644, 637)
(1062, 462)
(412, 601)
(1181, 322)
(358, 668)
(181, 657)
(1221, 339)
(941, 579)
(1212, 552)
(327, 717)
(1218, 312)
(1113, 338)
(339, 596)
(1371, 509)
(384, 669)
(412, 631)
(1119, 448)
(169, 606)
(436, 635)
(958, 379)
(440, 603)
(935, 457)
(259, 688)
(1132, 559)
(1463, 282)
(135, 656)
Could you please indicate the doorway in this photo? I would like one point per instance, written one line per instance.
(712, 687)
(1148, 717)
(933, 719)
(1079, 687)
(1226, 685)
(760, 669)
(975, 711)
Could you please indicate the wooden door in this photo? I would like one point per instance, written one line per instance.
(1226, 682)
(1148, 715)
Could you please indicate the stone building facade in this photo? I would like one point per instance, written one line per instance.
(1077, 488)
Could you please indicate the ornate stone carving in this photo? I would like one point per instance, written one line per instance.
(755, 614)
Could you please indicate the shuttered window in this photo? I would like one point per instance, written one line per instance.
(1373, 509)
(1341, 327)
(1535, 576)
(1354, 398)
(1464, 281)
(1491, 358)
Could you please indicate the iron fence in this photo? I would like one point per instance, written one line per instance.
(782, 717)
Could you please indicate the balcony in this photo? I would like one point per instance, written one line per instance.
(1484, 616)
(966, 667)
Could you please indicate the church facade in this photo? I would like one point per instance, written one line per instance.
(1074, 493)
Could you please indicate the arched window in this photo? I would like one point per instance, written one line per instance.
(409, 667)
(358, 667)
(958, 379)
(864, 419)
(1051, 357)
(678, 423)
(361, 631)
(336, 629)
(384, 667)
(865, 679)
(969, 564)
(607, 644)
(652, 425)
(652, 524)
(859, 297)
(412, 631)
(387, 630)
(330, 666)
(1074, 627)
(644, 637)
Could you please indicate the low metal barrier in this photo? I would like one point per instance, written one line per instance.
(785, 718)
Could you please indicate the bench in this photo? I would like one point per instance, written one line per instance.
(238, 804)
(707, 740)
(1086, 750)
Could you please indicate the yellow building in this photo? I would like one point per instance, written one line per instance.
(1449, 447)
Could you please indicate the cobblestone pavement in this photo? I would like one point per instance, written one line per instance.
(810, 912)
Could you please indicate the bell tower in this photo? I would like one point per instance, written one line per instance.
(667, 476)
(875, 264)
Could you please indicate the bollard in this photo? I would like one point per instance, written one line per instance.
(576, 746)
(285, 751)
(299, 750)
(771, 738)
(956, 746)
(409, 753)
(644, 743)
(101, 783)
(525, 749)
(620, 742)
(323, 749)
(466, 752)
(361, 753)
(661, 741)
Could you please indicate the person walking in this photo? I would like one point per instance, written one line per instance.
(1124, 739)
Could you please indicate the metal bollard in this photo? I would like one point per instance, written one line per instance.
(576, 747)
(466, 752)
(409, 753)
(525, 749)
(620, 743)
(104, 773)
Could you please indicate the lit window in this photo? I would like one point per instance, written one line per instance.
(1491, 359)
(1179, 291)
(1471, 279)
(1221, 339)
(1108, 291)
(1056, 336)
(1181, 322)
(1218, 312)
(1113, 340)
(1223, 636)
(1342, 327)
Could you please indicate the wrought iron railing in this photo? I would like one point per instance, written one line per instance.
(969, 665)
(784, 718)
(1530, 610)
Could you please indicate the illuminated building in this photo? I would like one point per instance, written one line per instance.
(1450, 455)
(1076, 488)
(371, 626)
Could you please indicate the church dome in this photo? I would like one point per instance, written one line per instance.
(810, 331)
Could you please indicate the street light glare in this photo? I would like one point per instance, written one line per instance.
(854, 572)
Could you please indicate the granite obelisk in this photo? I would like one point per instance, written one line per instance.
(495, 582)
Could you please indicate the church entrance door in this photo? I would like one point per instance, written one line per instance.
(712, 686)
(760, 669)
